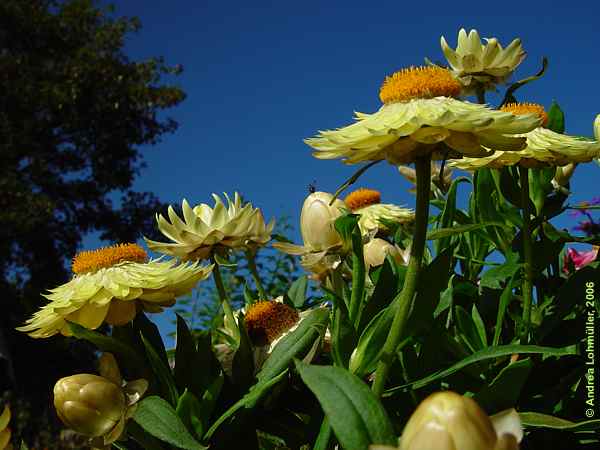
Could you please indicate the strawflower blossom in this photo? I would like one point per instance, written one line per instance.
(111, 285)
(205, 230)
(420, 116)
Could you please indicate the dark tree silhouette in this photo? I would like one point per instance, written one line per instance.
(74, 113)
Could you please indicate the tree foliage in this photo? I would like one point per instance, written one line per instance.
(75, 112)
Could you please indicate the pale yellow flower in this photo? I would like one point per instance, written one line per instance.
(448, 421)
(474, 63)
(544, 148)
(111, 284)
(267, 322)
(5, 432)
(204, 228)
(366, 202)
(98, 406)
(376, 250)
(320, 239)
(420, 117)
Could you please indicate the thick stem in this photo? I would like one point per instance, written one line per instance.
(251, 255)
(527, 288)
(405, 297)
(480, 91)
(358, 279)
(224, 298)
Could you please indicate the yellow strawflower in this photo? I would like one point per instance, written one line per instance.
(204, 228)
(474, 63)
(420, 116)
(111, 285)
(367, 203)
(544, 147)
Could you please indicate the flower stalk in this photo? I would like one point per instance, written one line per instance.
(223, 297)
(405, 297)
(251, 256)
(527, 286)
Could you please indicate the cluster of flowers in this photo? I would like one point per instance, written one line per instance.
(422, 117)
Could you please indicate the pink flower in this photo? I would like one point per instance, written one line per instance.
(579, 259)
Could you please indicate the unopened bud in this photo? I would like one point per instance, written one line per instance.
(317, 221)
(377, 249)
(89, 404)
(448, 421)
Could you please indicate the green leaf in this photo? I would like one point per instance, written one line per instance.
(509, 185)
(357, 417)
(248, 401)
(189, 411)
(447, 216)
(160, 420)
(209, 399)
(243, 360)
(142, 324)
(540, 185)
(296, 344)
(345, 225)
(433, 280)
(370, 343)
(538, 420)
(163, 373)
(496, 277)
(125, 354)
(505, 299)
(468, 329)
(442, 233)
(570, 294)
(249, 296)
(324, 436)
(488, 353)
(479, 325)
(343, 335)
(386, 287)
(297, 291)
(504, 390)
(556, 118)
(196, 367)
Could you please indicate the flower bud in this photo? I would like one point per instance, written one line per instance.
(5, 433)
(317, 221)
(89, 404)
(377, 249)
(448, 421)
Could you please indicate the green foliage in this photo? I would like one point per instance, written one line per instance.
(74, 115)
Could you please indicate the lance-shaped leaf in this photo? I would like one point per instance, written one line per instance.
(356, 415)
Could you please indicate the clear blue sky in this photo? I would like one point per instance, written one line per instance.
(262, 76)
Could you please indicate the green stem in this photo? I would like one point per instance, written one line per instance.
(405, 297)
(527, 254)
(358, 278)
(480, 91)
(224, 298)
(251, 255)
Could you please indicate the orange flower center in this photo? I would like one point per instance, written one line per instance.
(267, 320)
(527, 108)
(419, 82)
(361, 198)
(93, 260)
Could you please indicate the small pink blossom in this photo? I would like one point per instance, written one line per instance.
(579, 259)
